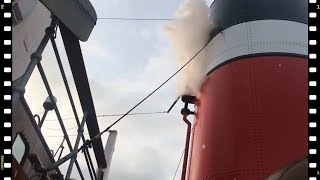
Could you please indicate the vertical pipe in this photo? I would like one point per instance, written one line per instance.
(90, 163)
(44, 78)
(65, 81)
(87, 160)
(80, 133)
(186, 149)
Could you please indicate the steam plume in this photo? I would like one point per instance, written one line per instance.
(189, 33)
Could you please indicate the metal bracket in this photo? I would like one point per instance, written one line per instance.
(188, 100)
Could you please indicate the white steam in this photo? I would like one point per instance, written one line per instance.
(189, 33)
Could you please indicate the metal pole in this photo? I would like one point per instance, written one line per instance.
(65, 81)
(63, 160)
(67, 157)
(91, 164)
(90, 171)
(44, 78)
(80, 133)
(108, 152)
(43, 118)
(19, 89)
(186, 150)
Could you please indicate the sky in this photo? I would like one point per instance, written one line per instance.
(125, 61)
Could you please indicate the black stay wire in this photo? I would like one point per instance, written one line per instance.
(110, 115)
(153, 90)
(88, 142)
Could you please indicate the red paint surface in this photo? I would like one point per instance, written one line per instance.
(252, 119)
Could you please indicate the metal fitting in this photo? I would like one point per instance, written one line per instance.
(20, 91)
(36, 56)
(50, 31)
(186, 111)
(189, 99)
(80, 130)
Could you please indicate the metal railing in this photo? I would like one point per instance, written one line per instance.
(19, 90)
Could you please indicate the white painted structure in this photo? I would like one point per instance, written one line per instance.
(108, 152)
(30, 19)
(251, 38)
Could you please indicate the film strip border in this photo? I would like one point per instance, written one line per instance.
(6, 91)
(314, 90)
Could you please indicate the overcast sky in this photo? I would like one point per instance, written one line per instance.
(125, 61)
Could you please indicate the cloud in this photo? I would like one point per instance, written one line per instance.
(94, 49)
(149, 166)
(145, 34)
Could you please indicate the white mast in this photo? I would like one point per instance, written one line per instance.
(108, 152)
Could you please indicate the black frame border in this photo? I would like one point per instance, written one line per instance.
(6, 90)
(313, 90)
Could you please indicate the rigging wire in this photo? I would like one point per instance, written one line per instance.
(110, 115)
(175, 173)
(135, 19)
(63, 136)
(173, 75)
(89, 142)
(59, 128)
(106, 115)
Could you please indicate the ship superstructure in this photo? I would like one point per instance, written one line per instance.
(34, 26)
